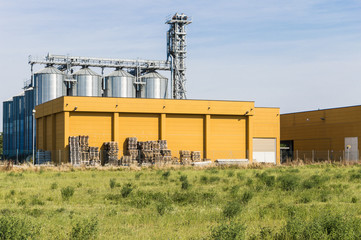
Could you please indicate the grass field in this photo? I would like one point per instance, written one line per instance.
(296, 202)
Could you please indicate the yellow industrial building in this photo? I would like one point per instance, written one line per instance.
(332, 132)
(219, 129)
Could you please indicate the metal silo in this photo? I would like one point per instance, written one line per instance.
(49, 84)
(7, 128)
(119, 84)
(29, 106)
(89, 83)
(19, 124)
(156, 85)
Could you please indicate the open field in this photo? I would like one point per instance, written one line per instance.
(296, 202)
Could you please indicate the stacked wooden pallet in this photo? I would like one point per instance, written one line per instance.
(74, 150)
(111, 153)
(132, 149)
(94, 156)
(185, 156)
(196, 156)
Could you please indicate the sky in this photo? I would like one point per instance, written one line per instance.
(295, 55)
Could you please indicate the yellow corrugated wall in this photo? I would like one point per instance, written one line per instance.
(143, 126)
(97, 125)
(184, 132)
(227, 137)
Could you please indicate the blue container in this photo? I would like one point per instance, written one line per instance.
(7, 128)
(29, 106)
(19, 125)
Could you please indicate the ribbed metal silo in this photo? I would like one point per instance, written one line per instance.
(89, 83)
(49, 84)
(29, 106)
(19, 124)
(7, 128)
(119, 84)
(156, 85)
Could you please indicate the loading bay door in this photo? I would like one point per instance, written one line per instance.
(264, 150)
(351, 148)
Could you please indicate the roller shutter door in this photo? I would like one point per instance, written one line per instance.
(264, 150)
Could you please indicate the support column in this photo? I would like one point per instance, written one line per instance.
(66, 137)
(115, 130)
(207, 121)
(162, 126)
(249, 138)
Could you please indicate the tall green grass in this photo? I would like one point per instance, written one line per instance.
(305, 202)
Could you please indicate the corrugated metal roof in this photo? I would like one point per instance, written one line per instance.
(49, 70)
(86, 71)
(120, 73)
(153, 75)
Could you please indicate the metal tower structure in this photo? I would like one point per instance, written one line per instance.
(177, 51)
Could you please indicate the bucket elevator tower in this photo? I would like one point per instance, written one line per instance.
(177, 51)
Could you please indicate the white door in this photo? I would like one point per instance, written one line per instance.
(264, 150)
(351, 148)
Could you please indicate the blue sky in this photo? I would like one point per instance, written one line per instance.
(296, 55)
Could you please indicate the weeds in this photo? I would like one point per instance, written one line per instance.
(126, 190)
(12, 227)
(288, 182)
(231, 209)
(85, 229)
(226, 231)
(67, 193)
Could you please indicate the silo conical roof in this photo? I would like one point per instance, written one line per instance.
(153, 75)
(49, 70)
(86, 71)
(120, 73)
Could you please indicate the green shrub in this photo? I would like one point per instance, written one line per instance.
(163, 207)
(288, 182)
(314, 181)
(327, 225)
(227, 231)
(203, 179)
(54, 186)
(126, 190)
(185, 185)
(234, 190)
(183, 178)
(85, 229)
(67, 193)
(213, 179)
(112, 183)
(166, 175)
(231, 209)
(247, 196)
(230, 173)
(353, 200)
(36, 201)
(269, 181)
(12, 227)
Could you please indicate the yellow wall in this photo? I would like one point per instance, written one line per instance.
(96, 125)
(143, 126)
(323, 129)
(184, 132)
(219, 129)
(228, 137)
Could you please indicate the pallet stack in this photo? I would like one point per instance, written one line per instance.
(74, 150)
(132, 149)
(185, 156)
(94, 156)
(84, 149)
(196, 156)
(111, 153)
